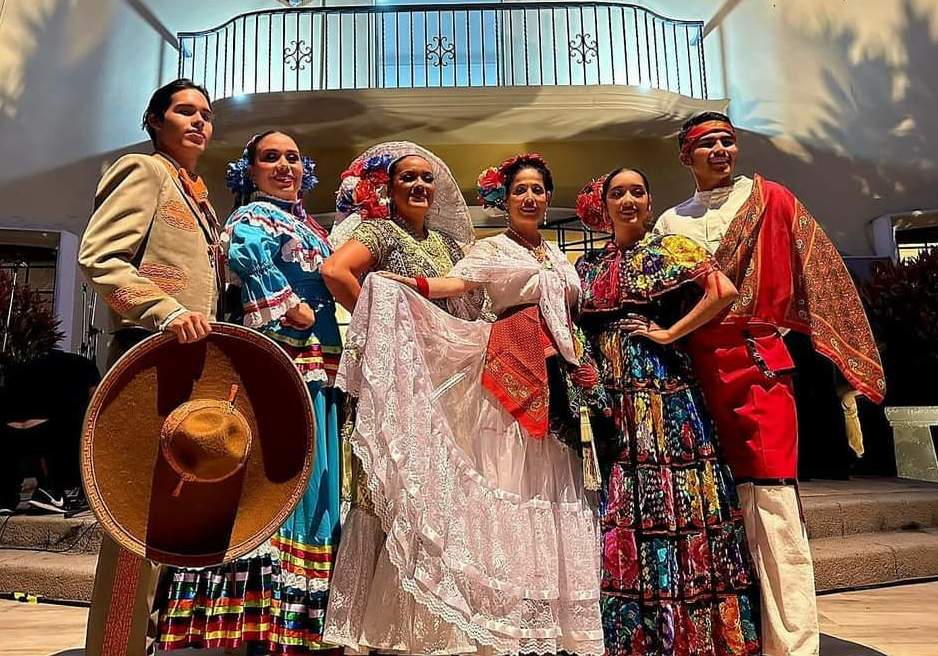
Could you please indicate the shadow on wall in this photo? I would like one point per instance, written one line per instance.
(875, 151)
(68, 108)
(51, 114)
(60, 198)
(42, 123)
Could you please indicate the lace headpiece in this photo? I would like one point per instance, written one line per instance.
(363, 194)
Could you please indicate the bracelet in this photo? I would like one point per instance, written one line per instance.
(423, 287)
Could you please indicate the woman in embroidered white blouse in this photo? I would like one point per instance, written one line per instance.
(470, 445)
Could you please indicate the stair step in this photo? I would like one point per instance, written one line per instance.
(842, 508)
(79, 534)
(874, 558)
(65, 576)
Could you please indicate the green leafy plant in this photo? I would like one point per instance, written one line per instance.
(902, 305)
(33, 329)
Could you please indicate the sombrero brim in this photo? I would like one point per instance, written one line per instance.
(129, 483)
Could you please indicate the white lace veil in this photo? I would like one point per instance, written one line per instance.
(448, 214)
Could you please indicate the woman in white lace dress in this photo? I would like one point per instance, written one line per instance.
(487, 542)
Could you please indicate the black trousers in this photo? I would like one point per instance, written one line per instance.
(49, 451)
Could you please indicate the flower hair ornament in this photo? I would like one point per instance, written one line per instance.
(492, 182)
(238, 175)
(590, 207)
(364, 187)
(363, 194)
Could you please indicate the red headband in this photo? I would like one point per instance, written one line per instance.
(701, 130)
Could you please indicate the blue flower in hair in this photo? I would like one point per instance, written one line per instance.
(238, 176)
(309, 175)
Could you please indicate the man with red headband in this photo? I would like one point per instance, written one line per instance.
(790, 277)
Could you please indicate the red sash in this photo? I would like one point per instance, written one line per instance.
(516, 368)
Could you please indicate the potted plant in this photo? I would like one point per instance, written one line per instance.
(902, 305)
(32, 330)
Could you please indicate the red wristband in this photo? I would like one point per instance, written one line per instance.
(423, 287)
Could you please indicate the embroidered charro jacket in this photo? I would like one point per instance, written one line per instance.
(150, 249)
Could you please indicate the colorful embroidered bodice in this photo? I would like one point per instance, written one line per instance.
(275, 252)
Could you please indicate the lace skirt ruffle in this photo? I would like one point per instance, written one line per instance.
(485, 528)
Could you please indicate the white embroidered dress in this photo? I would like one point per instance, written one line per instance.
(483, 539)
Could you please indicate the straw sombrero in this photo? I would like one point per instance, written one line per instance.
(194, 454)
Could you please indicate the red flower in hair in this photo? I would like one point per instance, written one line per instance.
(531, 157)
(590, 206)
(490, 178)
(491, 182)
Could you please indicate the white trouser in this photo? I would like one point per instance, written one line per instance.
(779, 546)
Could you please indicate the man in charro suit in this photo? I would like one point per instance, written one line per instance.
(151, 251)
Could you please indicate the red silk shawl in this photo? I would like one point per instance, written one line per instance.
(789, 274)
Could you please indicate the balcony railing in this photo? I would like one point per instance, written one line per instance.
(466, 45)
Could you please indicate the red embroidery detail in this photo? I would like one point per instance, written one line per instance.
(125, 299)
(516, 369)
(170, 279)
(178, 215)
(120, 612)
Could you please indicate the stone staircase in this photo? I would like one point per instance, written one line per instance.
(49, 556)
(863, 532)
(871, 531)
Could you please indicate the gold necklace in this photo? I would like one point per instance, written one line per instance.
(538, 251)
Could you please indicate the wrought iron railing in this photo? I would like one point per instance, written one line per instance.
(466, 45)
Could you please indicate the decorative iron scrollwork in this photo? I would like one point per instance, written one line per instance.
(296, 54)
(583, 47)
(438, 52)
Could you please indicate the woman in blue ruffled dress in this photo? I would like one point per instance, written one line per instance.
(276, 596)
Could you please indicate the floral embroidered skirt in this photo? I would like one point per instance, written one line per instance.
(677, 575)
(276, 596)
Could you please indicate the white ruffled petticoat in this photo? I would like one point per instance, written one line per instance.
(484, 540)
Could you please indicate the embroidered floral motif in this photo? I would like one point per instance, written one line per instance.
(676, 573)
(395, 250)
(650, 268)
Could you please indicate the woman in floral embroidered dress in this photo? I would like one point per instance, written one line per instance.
(490, 542)
(400, 210)
(677, 577)
(276, 597)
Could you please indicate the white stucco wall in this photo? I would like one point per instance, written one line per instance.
(837, 99)
(74, 79)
